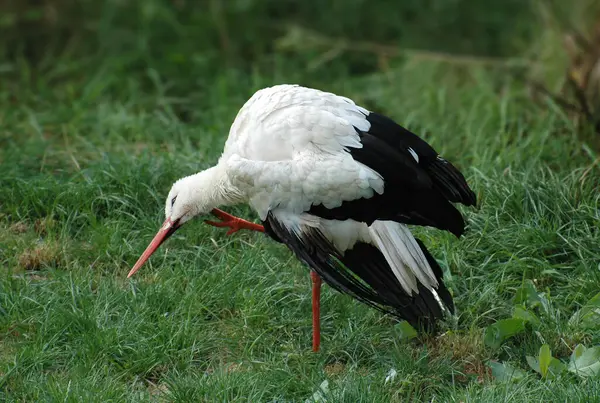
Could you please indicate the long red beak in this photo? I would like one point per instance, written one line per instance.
(167, 229)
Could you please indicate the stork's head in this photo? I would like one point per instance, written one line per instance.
(190, 196)
(183, 201)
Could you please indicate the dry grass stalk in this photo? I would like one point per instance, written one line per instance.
(299, 38)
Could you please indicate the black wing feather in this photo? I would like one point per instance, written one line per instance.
(451, 183)
(318, 253)
(363, 273)
(418, 193)
(445, 177)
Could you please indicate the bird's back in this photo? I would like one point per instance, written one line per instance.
(280, 122)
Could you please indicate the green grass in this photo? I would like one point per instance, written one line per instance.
(90, 143)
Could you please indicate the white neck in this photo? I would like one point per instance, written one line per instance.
(212, 188)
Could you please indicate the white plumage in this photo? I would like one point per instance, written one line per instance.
(287, 150)
(329, 178)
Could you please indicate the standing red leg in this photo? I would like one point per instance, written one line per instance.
(316, 310)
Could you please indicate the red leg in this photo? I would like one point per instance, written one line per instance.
(316, 310)
(234, 223)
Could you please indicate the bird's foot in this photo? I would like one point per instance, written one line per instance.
(234, 223)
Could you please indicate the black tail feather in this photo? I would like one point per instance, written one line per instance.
(451, 183)
(363, 273)
(435, 212)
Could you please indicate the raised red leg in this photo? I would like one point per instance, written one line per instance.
(234, 223)
(316, 310)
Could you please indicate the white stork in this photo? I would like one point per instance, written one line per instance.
(337, 184)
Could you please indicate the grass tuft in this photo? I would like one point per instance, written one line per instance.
(42, 256)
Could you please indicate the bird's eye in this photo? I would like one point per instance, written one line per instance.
(173, 201)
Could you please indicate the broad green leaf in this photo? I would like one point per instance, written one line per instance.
(544, 359)
(528, 316)
(589, 315)
(533, 363)
(405, 330)
(319, 395)
(585, 363)
(497, 333)
(527, 293)
(555, 367)
(505, 372)
(577, 351)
